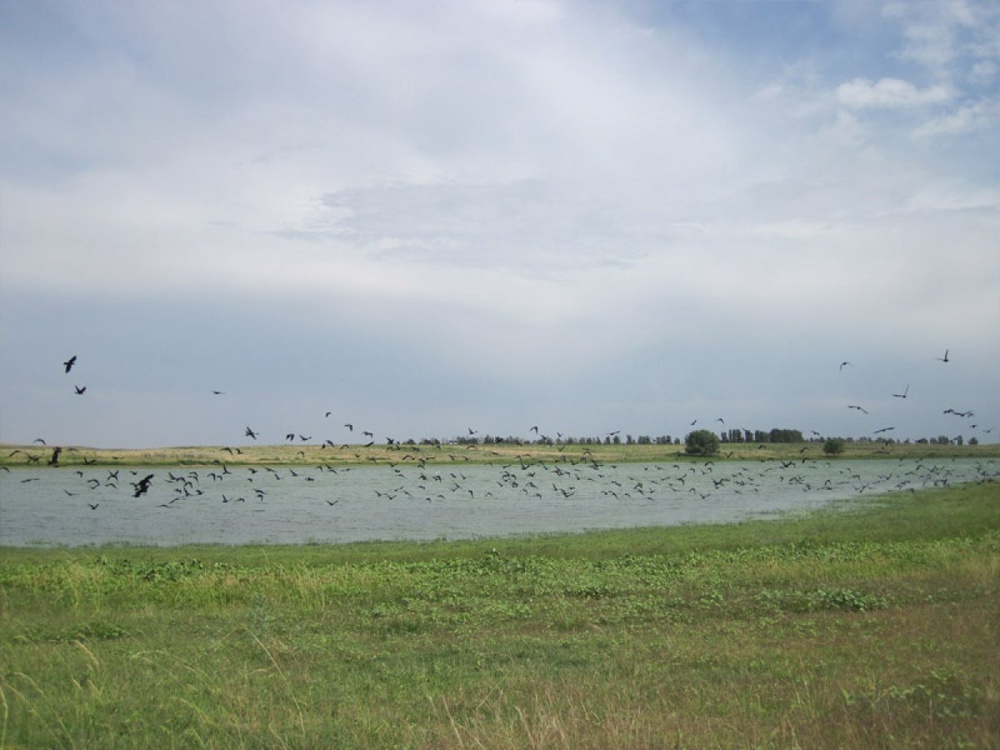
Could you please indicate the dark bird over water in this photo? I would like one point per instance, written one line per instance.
(54, 461)
(68, 364)
(142, 486)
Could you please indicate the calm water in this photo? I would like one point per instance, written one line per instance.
(52, 507)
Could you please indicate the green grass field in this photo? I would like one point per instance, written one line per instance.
(875, 627)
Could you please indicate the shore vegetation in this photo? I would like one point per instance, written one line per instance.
(874, 626)
(466, 452)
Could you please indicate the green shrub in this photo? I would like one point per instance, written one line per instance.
(701, 443)
(834, 446)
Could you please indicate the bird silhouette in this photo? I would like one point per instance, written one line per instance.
(80, 390)
(142, 486)
(859, 408)
(903, 394)
(939, 359)
(219, 393)
(54, 461)
(251, 434)
(68, 364)
(845, 363)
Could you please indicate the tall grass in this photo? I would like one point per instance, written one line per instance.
(870, 628)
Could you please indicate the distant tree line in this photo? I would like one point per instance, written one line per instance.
(615, 439)
(737, 435)
(775, 435)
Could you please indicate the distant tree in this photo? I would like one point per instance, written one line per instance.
(834, 446)
(973, 441)
(701, 443)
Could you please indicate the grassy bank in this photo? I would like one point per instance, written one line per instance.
(871, 628)
(307, 454)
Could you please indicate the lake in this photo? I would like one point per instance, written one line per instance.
(320, 504)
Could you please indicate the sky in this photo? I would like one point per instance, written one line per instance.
(431, 218)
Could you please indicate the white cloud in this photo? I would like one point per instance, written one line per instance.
(952, 39)
(979, 115)
(516, 190)
(889, 93)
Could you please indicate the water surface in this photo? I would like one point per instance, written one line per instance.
(241, 505)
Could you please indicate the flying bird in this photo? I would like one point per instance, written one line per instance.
(54, 461)
(219, 393)
(80, 390)
(903, 394)
(845, 363)
(939, 359)
(251, 434)
(859, 408)
(142, 486)
(68, 364)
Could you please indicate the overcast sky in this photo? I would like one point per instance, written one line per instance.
(430, 217)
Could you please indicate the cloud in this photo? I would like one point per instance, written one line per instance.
(980, 115)
(523, 204)
(889, 93)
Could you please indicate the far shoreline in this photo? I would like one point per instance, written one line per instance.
(38, 456)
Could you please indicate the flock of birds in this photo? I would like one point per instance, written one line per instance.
(412, 477)
(905, 394)
(571, 482)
